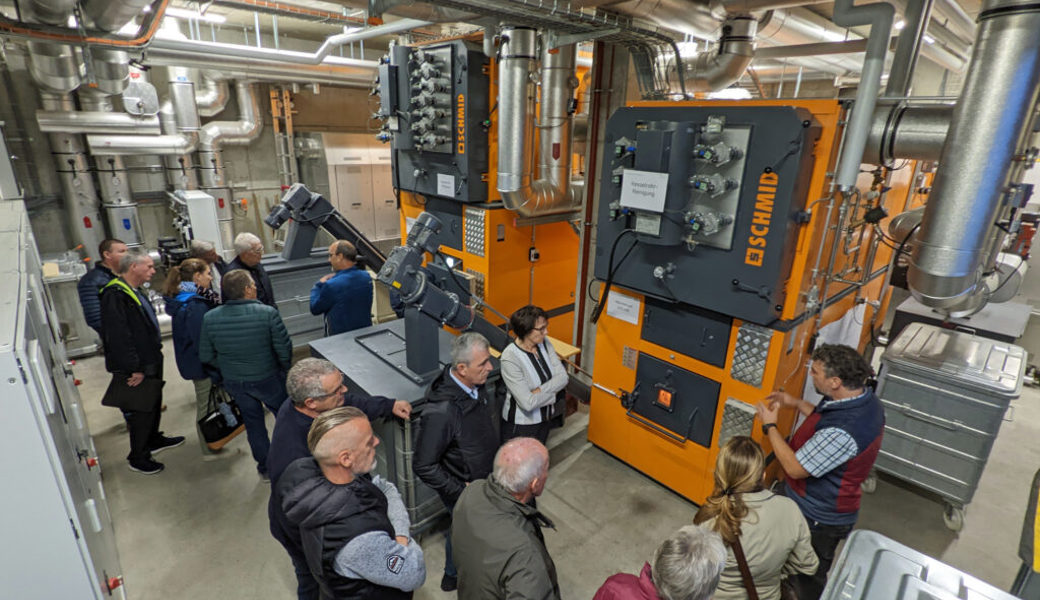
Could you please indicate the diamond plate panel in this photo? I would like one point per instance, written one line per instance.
(749, 356)
(738, 418)
(473, 231)
(478, 286)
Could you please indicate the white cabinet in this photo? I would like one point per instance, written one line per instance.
(362, 186)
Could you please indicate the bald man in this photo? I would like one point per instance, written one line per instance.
(354, 537)
(496, 532)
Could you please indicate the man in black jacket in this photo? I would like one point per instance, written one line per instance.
(250, 250)
(91, 284)
(315, 386)
(133, 351)
(457, 439)
(354, 537)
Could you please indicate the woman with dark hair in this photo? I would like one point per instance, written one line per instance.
(534, 377)
(770, 529)
(189, 297)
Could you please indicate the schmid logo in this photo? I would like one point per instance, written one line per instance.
(460, 123)
(760, 219)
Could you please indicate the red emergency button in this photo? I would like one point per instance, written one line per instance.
(91, 462)
(113, 583)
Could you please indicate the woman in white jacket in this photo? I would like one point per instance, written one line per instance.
(534, 376)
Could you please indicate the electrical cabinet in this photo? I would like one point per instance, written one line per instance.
(58, 537)
(361, 182)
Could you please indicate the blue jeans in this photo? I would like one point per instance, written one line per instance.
(449, 563)
(251, 398)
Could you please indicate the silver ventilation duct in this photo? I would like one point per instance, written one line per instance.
(56, 68)
(551, 193)
(96, 122)
(989, 122)
(721, 68)
(211, 96)
(898, 131)
(51, 12)
(111, 15)
(111, 70)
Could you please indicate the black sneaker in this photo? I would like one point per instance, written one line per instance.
(166, 443)
(148, 467)
(449, 583)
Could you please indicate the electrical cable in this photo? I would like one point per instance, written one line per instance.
(598, 309)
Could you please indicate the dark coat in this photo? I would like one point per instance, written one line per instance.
(89, 288)
(329, 516)
(457, 439)
(245, 340)
(498, 548)
(264, 291)
(187, 309)
(130, 331)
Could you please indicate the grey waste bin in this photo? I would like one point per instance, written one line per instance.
(945, 395)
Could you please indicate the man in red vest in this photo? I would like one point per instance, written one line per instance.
(830, 455)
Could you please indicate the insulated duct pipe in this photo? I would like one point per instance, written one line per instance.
(879, 16)
(211, 97)
(989, 122)
(216, 134)
(551, 193)
(111, 15)
(51, 12)
(908, 48)
(718, 69)
(898, 131)
(96, 122)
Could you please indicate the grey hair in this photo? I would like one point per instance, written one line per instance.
(687, 566)
(131, 258)
(304, 379)
(519, 462)
(245, 241)
(199, 247)
(462, 347)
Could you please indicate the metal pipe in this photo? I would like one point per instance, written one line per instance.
(216, 134)
(178, 109)
(211, 95)
(96, 122)
(879, 16)
(551, 193)
(989, 123)
(111, 15)
(899, 131)
(56, 68)
(720, 68)
(743, 7)
(51, 12)
(908, 48)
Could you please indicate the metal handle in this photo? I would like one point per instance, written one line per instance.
(1009, 414)
(924, 417)
(682, 440)
(965, 329)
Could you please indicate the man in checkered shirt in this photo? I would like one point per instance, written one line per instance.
(830, 455)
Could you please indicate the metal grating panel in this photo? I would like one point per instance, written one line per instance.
(473, 231)
(738, 418)
(478, 287)
(749, 357)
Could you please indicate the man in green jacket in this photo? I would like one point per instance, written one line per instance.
(496, 532)
(247, 341)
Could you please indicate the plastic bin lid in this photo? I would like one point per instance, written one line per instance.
(873, 567)
(983, 364)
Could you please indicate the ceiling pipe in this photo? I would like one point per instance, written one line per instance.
(720, 68)
(879, 16)
(211, 96)
(51, 12)
(988, 127)
(908, 48)
(551, 193)
(96, 122)
(80, 37)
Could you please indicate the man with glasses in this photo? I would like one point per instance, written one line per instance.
(247, 342)
(315, 386)
(250, 250)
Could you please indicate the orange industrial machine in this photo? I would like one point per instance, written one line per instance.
(439, 104)
(724, 250)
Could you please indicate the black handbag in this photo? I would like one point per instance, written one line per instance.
(223, 420)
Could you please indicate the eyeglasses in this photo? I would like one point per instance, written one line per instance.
(543, 328)
(342, 389)
(257, 250)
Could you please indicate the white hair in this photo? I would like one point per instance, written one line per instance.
(245, 241)
(687, 566)
(132, 257)
(519, 462)
(462, 347)
(200, 247)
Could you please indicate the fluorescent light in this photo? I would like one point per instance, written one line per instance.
(731, 93)
(899, 25)
(928, 39)
(191, 14)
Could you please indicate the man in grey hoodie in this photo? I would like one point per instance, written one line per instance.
(354, 536)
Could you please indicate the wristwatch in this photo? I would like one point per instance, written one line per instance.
(766, 427)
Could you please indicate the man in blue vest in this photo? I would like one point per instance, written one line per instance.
(133, 351)
(831, 453)
(345, 295)
(90, 285)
